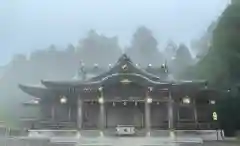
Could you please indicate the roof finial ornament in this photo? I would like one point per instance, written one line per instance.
(124, 57)
(81, 71)
(165, 67)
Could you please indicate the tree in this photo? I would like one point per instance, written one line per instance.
(181, 62)
(99, 49)
(226, 42)
(202, 45)
(144, 48)
(220, 65)
(170, 50)
(183, 54)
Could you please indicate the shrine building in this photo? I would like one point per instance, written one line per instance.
(124, 94)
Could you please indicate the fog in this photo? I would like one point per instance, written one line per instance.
(32, 24)
(53, 36)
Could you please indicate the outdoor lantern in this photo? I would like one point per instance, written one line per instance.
(100, 100)
(186, 100)
(149, 65)
(149, 100)
(63, 100)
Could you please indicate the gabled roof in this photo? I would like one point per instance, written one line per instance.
(124, 71)
(125, 65)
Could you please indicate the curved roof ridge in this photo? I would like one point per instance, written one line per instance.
(133, 74)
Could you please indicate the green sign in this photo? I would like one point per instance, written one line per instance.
(214, 115)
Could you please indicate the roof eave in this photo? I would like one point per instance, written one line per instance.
(40, 92)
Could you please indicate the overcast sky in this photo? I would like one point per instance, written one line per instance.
(26, 25)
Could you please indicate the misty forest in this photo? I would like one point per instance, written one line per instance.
(217, 61)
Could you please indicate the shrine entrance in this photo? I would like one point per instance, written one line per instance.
(125, 113)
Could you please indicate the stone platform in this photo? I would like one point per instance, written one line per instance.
(206, 135)
(108, 138)
(129, 141)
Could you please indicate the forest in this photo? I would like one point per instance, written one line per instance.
(216, 59)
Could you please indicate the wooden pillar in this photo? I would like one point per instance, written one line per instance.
(102, 116)
(102, 110)
(69, 113)
(195, 113)
(80, 113)
(148, 101)
(170, 116)
(53, 111)
(147, 117)
(170, 112)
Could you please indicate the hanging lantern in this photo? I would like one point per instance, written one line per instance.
(212, 102)
(186, 100)
(63, 100)
(149, 100)
(100, 100)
